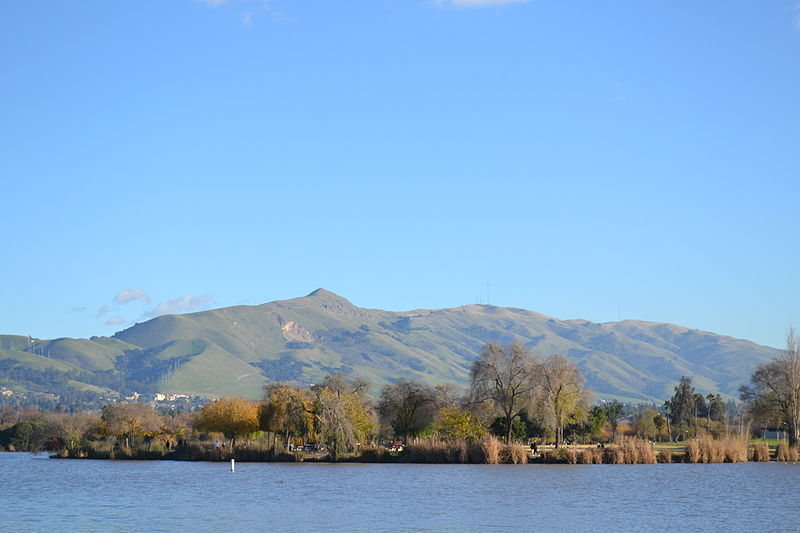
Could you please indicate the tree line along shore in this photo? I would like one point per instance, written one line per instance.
(518, 408)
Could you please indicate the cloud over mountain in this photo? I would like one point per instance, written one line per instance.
(182, 304)
(131, 295)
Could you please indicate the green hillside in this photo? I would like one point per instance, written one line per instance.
(236, 350)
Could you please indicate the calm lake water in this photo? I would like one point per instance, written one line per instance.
(40, 494)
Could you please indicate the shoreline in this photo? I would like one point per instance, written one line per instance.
(566, 456)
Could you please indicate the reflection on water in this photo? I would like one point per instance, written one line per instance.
(67, 495)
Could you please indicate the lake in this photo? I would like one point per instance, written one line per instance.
(41, 494)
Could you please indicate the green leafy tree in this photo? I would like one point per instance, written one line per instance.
(17, 437)
(597, 420)
(659, 422)
(717, 410)
(342, 420)
(700, 406)
(644, 424)
(455, 424)
(681, 408)
(287, 411)
(342, 415)
(614, 410)
(499, 427)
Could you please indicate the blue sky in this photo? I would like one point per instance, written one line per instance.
(584, 159)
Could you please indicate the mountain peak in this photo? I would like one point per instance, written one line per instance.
(327, 298)
(323, 293)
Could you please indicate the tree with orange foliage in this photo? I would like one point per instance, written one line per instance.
(230, 416)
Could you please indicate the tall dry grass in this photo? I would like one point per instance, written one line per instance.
(712, 451)
(569, 455)
(638, 451)
(439, 451)
(694, 454)
(665, 456)
(785, 453)
(631, 451)
(550, 456)
(708, 450)
(613, 455)
(491, 450)
(761, 453)
(589, 456)
(647, 455)
(515, 454)
(734, 449)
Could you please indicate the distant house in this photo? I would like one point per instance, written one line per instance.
(772, 433)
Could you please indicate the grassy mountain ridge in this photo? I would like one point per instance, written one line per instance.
(235, 350)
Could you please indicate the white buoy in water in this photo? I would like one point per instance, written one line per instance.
(233, 466)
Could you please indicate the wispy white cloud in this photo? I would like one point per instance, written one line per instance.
(245, 10)
(102, 311)
(184, 304)
(797, 15)
(115, 321)
(480, 3)
(77, 310)
(131, 295)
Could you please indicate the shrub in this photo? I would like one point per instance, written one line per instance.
(373, 455)
(665, 456)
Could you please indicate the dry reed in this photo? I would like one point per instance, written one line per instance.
(515, 454)
(647, 455)
(665, 456)
(549, 456)
(614, 456)
(760, 453)
(589, 456)
(785, 453)
(693, 452)
(491, 450)
(631, 451)
(712, 451)
(569, 455)
(734, 450)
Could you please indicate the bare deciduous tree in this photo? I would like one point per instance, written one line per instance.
(775, 387)
(504, 376)
(408, 406)
(129, 421)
